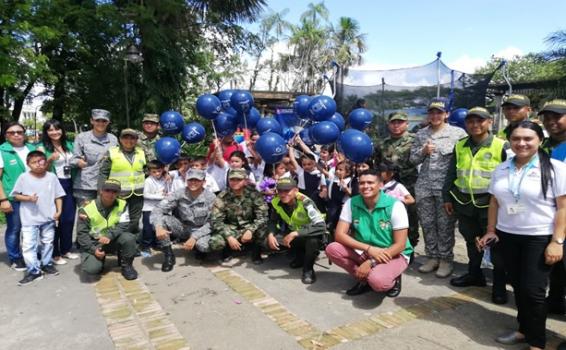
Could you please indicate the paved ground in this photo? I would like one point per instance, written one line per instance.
(242, 306)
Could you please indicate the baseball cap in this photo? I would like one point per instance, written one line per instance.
(130, 132)
(286, 183)
(100, 114)
(111, 185)
(479, 112)
(150, 117)
(437, 103)
(556, 106)
(196, 174)
(237, 174)
(398, 116)
(516, 100)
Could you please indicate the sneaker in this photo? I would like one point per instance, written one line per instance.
(145, 252)
(50, 270)
(431, 265)
(445, 269)
(59, 261)
(71, 256)
(30, 277)
(19, 265)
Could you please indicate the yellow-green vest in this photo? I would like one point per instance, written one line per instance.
(98, 224)
(298, 218)
(474, 171)
(130, 175)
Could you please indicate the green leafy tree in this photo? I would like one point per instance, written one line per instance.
(531, 67)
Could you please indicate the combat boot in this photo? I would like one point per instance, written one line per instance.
(429, 266)
(128, 270)
(168, 259)
(256, 254)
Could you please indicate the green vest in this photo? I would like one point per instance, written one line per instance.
(130, 175)
(298, 218)
(375, 228)
(100, 225)
(13, 166)
(474, 171)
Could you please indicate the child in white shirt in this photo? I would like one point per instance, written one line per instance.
(155, 189)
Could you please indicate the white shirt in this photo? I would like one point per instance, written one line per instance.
(334, 181)
(534, 216)
(22, 152)
(59, 164)
(221, 174)
(154, 190)
(301, 177)
(47, 189)
(399, 218)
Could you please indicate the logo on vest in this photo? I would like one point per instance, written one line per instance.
(384, 224)
(487, 156)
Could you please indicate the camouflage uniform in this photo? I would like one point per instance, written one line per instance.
(185, 217)
(398, 151)
(438, 227)
(233, 215)
(148, 146)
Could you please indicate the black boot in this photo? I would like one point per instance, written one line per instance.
(226, 254)
(396, 290)
(168, 259)
(128, 270)
(256, 254)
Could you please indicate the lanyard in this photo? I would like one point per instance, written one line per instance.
(515, 185)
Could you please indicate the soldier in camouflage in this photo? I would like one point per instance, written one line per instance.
(149, 135)
(239, 217)
(396, 148)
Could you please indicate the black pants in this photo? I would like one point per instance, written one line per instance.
(306, 249)
(471, 228)
(148, 231)
(557, 287)
(528, 274)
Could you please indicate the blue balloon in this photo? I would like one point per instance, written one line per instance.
(193, 132)
(360, 118)
(268, 125)
(301, 106)
(338, 119)
(356, 145)
(321, 108)
(208, 106)
(242, 101)
(458, 118)
(271, 147)
(325, 132)
(288, 134)
(224, 124)
(171, 122)
(167, 150)
(252, 117)
(224, 97)
(305, 135)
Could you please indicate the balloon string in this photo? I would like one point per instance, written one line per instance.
(246, 136)
(214, 129)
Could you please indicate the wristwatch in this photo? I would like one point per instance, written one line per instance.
(559, 240)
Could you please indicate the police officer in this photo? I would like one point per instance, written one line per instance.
(102, 228)
(126, 164)
(88, 150)
(396, 148)
(149, 135)
(516, 108)
(185, 215)
(297, 224)
(466, 194)
(239, 217)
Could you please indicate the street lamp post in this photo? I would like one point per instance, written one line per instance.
(132, 55)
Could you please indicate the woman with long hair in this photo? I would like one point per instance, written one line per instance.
(59, 152)
(527, 219)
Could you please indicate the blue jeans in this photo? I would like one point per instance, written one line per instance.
(12, 236)
(64, 232)
(32, 237)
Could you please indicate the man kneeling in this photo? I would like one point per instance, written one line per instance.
(377, 252)
(102, 228)
(296, 224)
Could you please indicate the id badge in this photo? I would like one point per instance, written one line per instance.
(514, 209)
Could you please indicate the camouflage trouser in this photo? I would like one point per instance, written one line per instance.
(182, 233)
(438, 227)
(218, 241)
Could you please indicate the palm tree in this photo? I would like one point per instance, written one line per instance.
(313, 11)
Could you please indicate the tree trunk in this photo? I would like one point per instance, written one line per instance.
(19, 102)
(59, 98)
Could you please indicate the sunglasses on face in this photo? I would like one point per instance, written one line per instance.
(14, 132)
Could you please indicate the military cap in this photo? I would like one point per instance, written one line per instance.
(437, 103)
(129, 132)
(479, 112)
(196, 174)
(286, 183)
(100, 114)
(237, 174)
(557, 106)
(150, 117)
(516, 100)
(398, 116)
(111, 185)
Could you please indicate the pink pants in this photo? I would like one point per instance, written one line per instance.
(381, 278)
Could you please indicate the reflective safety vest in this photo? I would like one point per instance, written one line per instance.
(98, 224)
(130, 175)
(298, 218)
(474, 171)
